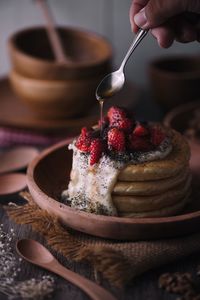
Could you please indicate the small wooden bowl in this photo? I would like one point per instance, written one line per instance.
(48, 176)
(175, 80)
(31, 54)
(53, 99)
(179, 119)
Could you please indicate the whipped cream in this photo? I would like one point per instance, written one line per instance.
(90, 187)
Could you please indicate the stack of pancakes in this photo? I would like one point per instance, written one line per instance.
(158, 188)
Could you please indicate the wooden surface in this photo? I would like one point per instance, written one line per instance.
(144, 287)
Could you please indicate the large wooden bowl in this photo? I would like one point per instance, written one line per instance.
(48, 175)
(31, 54)
(55, 99)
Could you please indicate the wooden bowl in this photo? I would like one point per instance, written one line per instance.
(48, 176)
(179, 119)
(53, 99)
(31, 54)
(175, 80)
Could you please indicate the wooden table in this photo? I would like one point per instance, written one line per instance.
(144, 287)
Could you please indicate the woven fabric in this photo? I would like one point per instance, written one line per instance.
(119, 262)
(14, 137)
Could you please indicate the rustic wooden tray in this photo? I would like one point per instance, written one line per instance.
(48, 175)
(14, 113)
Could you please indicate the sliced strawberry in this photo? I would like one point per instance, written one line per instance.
(116, 139)
(96, 149)
(84, 140)
(124, 124)
(140, 144)
(157, 136)
(116, 114)
(140, 130)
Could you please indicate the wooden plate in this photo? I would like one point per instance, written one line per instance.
(21, 116)
(14, 113)
(48, 175)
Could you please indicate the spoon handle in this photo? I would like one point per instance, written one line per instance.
(52, 33)
(138, 38)
(93, 290)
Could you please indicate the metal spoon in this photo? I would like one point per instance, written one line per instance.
(114, 81)
(37, 254)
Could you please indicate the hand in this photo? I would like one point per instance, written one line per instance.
(168, 20)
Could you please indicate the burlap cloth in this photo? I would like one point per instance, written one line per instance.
(118, 262)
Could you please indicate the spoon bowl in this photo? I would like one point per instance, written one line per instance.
(12, 183)
(37, 254)
(113, 82)
(110, 85)
(34, 252)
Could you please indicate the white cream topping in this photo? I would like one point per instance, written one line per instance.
(90, 187)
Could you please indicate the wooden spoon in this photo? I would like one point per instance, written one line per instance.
(17, 158)
(54, 38)
(37, 254)
(12, 183)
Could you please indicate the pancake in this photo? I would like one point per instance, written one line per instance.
(170, 166)
(163, 212)
(150, 187)
(128, 204)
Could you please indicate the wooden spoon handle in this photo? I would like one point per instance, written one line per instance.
(90, 288)
(52, 33)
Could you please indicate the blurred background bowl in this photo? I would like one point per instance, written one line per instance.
(55, 90)
(55, 99)
(186, 119)
(175, 80)
(31, 54)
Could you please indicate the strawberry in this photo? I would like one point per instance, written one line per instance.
(124, 124)
(116, 139)
(140, 130)
(157, 136)
(96, 149)
(115, 114)
(139, 144)
(84, 140)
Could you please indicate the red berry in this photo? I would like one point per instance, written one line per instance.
(116, 139)
(96, 149)
(84, 140)
(124, 124)
(116, 114)
(139, 144)
(157, 136)
(140, 130)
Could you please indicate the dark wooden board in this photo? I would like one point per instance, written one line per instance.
(144, 287)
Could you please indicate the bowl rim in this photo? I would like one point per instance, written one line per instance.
(112, 219)
(91, 34)
(170, 74)
(53, 83)
(179, 110)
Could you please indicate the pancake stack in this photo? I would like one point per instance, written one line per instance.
(158, 188)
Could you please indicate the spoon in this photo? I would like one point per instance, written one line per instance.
(12, 183)
(37, 254)
(114, 81)
(54, 38)
(17, 158)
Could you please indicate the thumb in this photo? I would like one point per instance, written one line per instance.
(157, 12)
